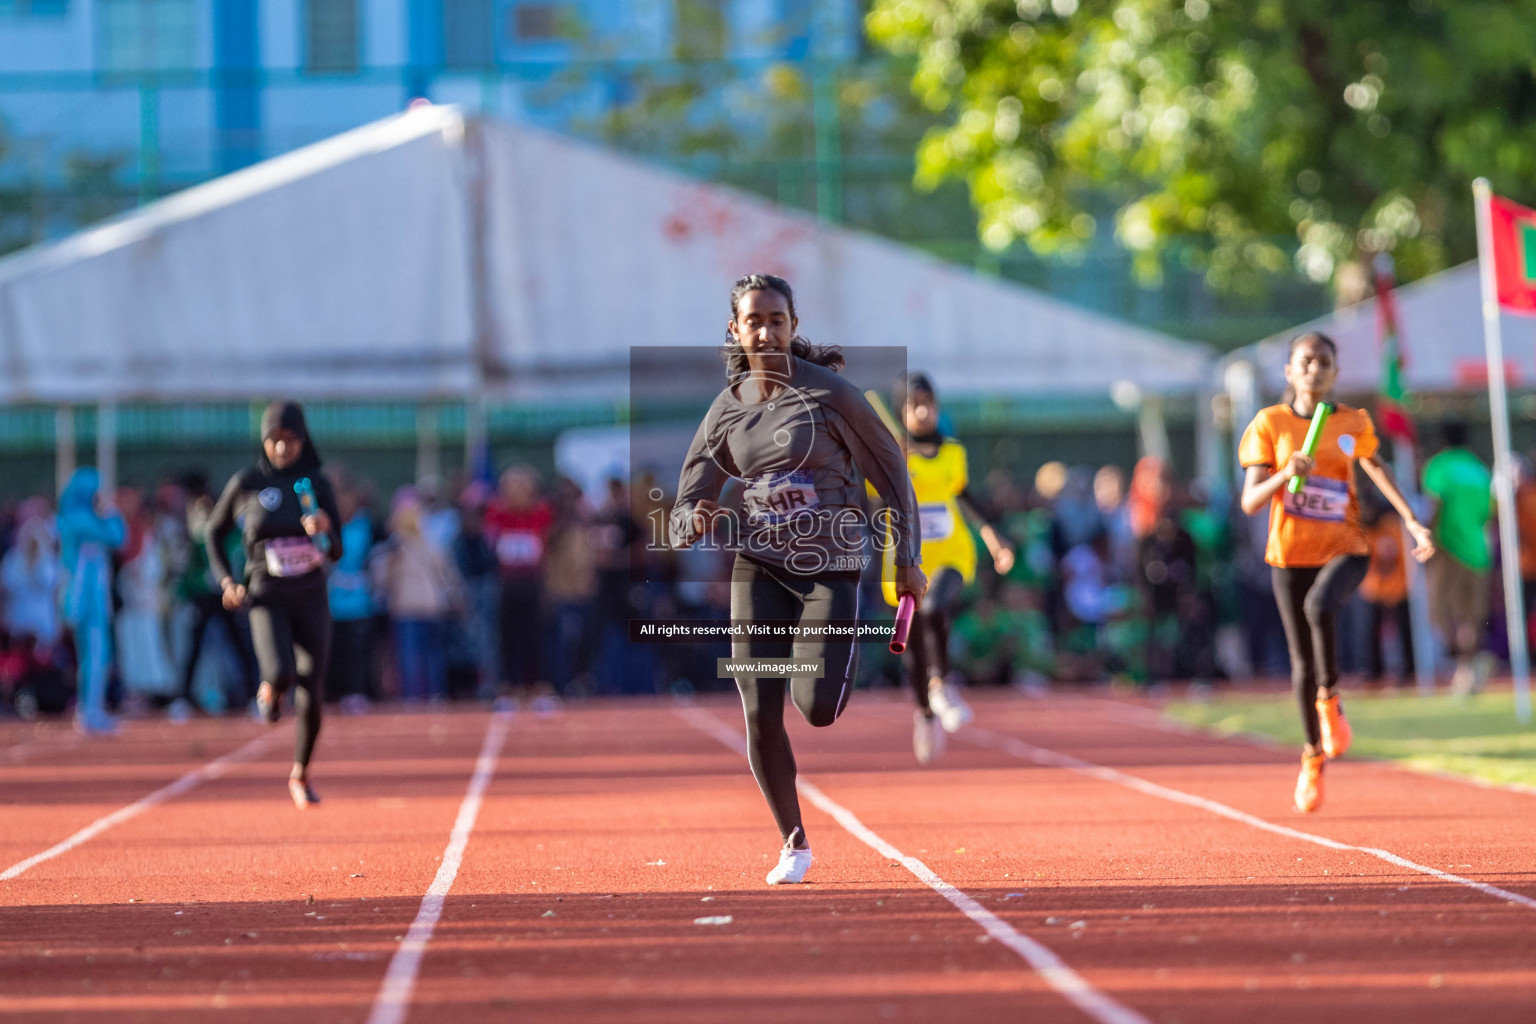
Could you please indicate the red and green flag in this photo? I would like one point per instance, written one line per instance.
(1390, 408)
(1513, 234)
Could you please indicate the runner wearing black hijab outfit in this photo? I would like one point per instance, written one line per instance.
(291, 526)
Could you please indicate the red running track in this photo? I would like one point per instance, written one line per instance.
(1078, 828)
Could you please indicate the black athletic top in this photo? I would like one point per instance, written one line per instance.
(277, 549)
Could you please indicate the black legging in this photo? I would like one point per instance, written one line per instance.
(1309, 599)
(928, 653)
(1375, 614)
(208, 608)
(522, 629)
(759, 593)
(291, 631)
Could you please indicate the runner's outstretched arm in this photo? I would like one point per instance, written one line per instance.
(1381, 476)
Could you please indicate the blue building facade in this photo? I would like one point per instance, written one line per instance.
(184, 89)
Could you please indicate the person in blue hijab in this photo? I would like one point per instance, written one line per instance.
(88, 536)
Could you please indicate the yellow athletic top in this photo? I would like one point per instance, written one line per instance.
(937, 480)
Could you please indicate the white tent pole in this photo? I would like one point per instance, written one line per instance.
(106, 446)
(1240, 379)
(474, 431)
(1152, 430)
(1208, 452)
(1503, 465)
(65, 457)
(428, 458)
(484, 342)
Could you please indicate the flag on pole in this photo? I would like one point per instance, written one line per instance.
(1502, 231)
(1512, 231)
(1390, 409)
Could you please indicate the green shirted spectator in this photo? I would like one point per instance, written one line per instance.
(1030, 532)
(1002, 642)
(196, 587)
(1462, 488)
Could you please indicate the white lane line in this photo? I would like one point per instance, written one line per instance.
(212, 770)
(1051, 968)
(394, 998)
(57, 743)
(1052, 759)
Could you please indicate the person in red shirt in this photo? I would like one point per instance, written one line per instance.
(518, 522)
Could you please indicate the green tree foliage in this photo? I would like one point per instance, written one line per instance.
(33, 209)
(1230, 124)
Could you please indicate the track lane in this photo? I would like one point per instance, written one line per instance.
(1178, 913)
(62, 787)
(236, 904)
(676, 831)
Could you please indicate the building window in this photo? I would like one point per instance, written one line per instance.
(700, 30)
(535, 23)
(33, 8)
(467, 34)
(332, 35)
(148, 35)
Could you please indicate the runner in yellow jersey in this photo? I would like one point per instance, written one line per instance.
(937, 468)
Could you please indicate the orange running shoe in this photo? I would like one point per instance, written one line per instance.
(1335, 727)
(1309, 784)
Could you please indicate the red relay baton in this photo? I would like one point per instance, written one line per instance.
(904, 609)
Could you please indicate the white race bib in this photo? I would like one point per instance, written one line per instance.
(292, 556)
(935, 521)
(1319, 498)
(776, 497)
(519, 549)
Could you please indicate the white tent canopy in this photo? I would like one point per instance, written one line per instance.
(428, 256)
(651, 256)
(1440, 331)
(338, 269)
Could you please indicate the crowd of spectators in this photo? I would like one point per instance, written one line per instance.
(525, 590)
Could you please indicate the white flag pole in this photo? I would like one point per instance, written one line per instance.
(1503, 465)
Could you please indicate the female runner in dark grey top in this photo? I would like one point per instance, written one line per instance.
(799, 437)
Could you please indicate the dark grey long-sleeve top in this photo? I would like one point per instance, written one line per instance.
(800, 456)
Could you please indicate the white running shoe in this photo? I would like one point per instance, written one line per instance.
(1483, 665)
(952, 710)
(545, 705)
(927, 737)
(99, 724)
(792, 865)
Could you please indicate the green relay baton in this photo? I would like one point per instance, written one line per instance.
(1309, 446)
